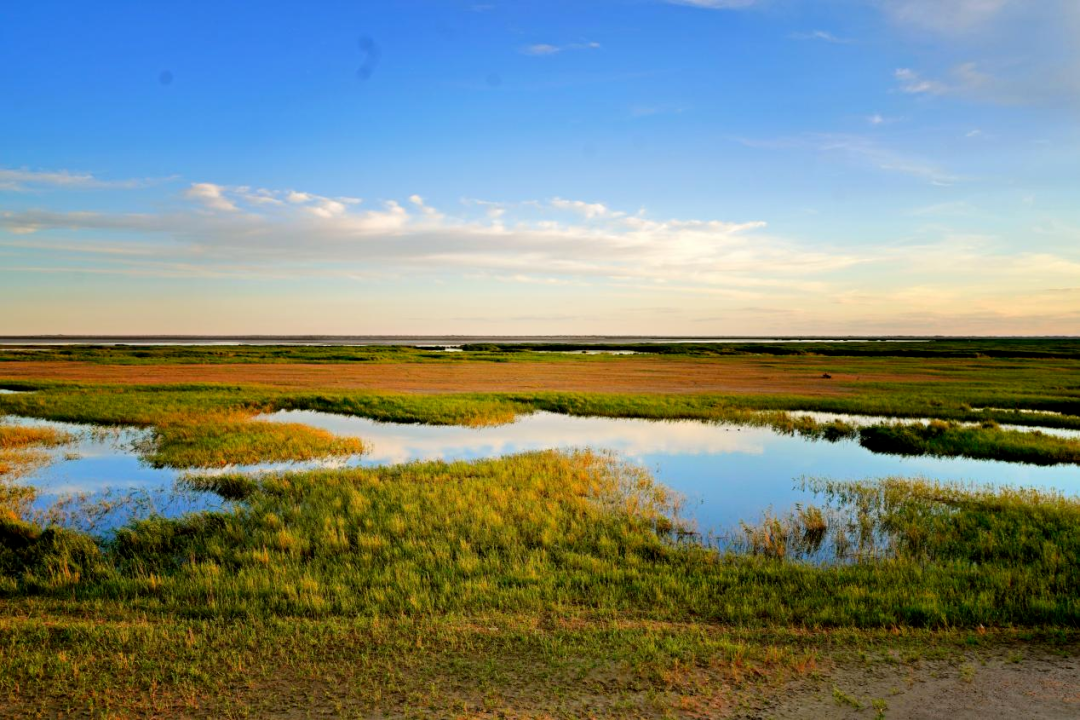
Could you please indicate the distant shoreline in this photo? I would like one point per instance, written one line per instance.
(443, 340)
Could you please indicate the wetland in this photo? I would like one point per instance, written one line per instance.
(401, 545)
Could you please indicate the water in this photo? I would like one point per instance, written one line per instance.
(727, 473)
(589, 352)
(103, 465)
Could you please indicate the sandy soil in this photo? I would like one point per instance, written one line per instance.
(630, 375)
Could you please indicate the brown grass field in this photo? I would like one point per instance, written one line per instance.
(624, 375)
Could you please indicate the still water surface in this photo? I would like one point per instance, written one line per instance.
(727, 473)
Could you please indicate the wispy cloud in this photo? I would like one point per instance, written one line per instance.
(945, 16)
(964, 79)
(542, 49)
(913, 83)
(823, 36)
(954, 208)
(228, 225)
(20, 179)
(1021, 85)
(862, 151)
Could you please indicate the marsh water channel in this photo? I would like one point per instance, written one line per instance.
(726, 473)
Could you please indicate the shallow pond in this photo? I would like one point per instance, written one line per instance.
(727, 473)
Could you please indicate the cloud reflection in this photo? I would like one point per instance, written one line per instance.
(633, 439)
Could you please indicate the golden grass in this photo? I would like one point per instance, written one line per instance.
(21, 448)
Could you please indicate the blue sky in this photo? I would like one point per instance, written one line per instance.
(635, 166)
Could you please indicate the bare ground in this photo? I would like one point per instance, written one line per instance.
(1004, 687)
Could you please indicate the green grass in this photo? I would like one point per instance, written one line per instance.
(539, 584)
(945, 439)
(212, 426)
(235, 439)
(193, 427)
(544, 581)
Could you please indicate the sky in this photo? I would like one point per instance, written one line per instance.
(648, 167)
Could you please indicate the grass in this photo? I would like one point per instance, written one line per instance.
(944, 439)
(193, 428)
(20, 448)
(234, 439)
(536, 585)
(487, 666)
(544, 581)
(547, 532)
(13, 437)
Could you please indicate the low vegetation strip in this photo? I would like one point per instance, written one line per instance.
(988, 441)
(1003, 348)
(215, 426)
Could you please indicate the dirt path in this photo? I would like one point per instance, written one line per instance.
(1015, 687)
(631, 375)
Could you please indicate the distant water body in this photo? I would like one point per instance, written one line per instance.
(427, 340)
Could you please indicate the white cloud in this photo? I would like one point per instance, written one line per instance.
(430, 213)
(913, 83)
(210, 195)
(589, 210)
(313, 230)
(595, 255)
(258, 197)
